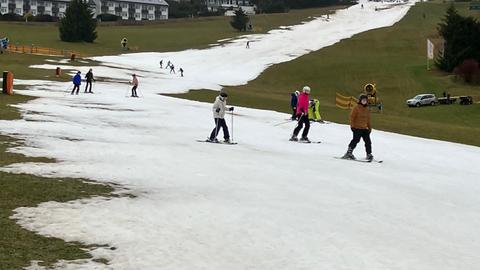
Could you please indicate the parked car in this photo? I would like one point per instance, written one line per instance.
(421, 100)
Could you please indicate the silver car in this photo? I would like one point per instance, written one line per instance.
(421, 100)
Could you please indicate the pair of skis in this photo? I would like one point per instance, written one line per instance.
(362, 160)
(217, 142)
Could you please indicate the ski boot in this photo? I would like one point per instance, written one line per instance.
(294, 138)
(212, 140)
(227, 141)
(305, 140)
(349, 154)
(369, 157)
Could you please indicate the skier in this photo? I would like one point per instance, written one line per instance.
(293, 104)
(172, 69)
(124, 43)
(134, 82)
(302, 113)
(361, 128)
(89, 78)
(181, 72)
(168, 64)
(77, 80)
(219, 108)
(161, 63)
(314, 111)
(248, 45)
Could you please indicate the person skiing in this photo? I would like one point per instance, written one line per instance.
(124, 43)
(161, 63)
(293, 104)
(77, 80)
(89, 78)
(361, 128)
(302, 114)
(314, 111)
(181, 72)
(172, 69)
(168, 64)
(134, 82)
(219, 108)
(248, 44)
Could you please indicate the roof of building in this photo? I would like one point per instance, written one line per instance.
(152, 2)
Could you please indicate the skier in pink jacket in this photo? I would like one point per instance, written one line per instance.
(302, 113)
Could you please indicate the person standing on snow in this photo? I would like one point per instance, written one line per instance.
(161, 63)
(361, 128)
(168, 64)
(181, 72)
(172, 69)
(302, 114)
(134, 82)
(293, 104)
(89, 78)
(219, 109)
(77, 80)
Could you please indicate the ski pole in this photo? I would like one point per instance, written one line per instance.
(232, 124)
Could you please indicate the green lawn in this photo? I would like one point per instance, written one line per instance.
(171, 35)
(394, 58)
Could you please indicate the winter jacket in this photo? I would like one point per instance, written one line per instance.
(294, 101)
(360, 117)
(89, 76)
(314, 110)
(220, 103)
(135, 81)
(302, 106)
(77, 79)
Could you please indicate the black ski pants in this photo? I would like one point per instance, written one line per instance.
(134, 91)
(76, 87)
(294, 113)
(361, 134)
(89, 83)
(220, 123)
(303, 120)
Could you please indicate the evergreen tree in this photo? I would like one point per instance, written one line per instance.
(240, 20)
(78, 23)
(461, 39)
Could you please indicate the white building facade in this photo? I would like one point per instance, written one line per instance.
(126, 9)
(214, 5)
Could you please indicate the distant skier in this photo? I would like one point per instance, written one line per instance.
(219, 108)
(89, 78)
(181, 72)
(161, 63)
(172, 69)
(293, 104)
(134, 82)
(302, 114)
(248, 44)
(124, 43)
(314, 111)
(168, 64)
(361, 128)
(77, 80)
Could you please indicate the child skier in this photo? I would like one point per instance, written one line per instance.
(89, 78)
(293, 104)
(124, 43)
(134, 82)
(302, 114)
(77, 80)
(219, 108)
(361, 128)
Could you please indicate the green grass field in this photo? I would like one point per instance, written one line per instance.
(394, 58)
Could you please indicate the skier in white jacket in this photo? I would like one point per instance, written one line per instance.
(219, 109)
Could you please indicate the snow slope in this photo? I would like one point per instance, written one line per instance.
(265, 203)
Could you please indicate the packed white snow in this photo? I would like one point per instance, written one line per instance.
(265, 203)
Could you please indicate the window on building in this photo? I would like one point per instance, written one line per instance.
(33, 3)
(151, 8)
(19, 11)
(4, 1)
(137, 6)
(48, 4)
(34, 12)
(62, 5)
(124, 5)
(3, 10)
(110, 4)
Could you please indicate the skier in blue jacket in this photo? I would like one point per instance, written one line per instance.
(77, 80)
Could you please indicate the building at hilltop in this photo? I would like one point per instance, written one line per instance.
(230, 5)
(125, 9)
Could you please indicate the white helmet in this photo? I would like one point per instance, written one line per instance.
(306, 89)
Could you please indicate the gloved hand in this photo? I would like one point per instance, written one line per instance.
(230, 109)
(217, 110)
